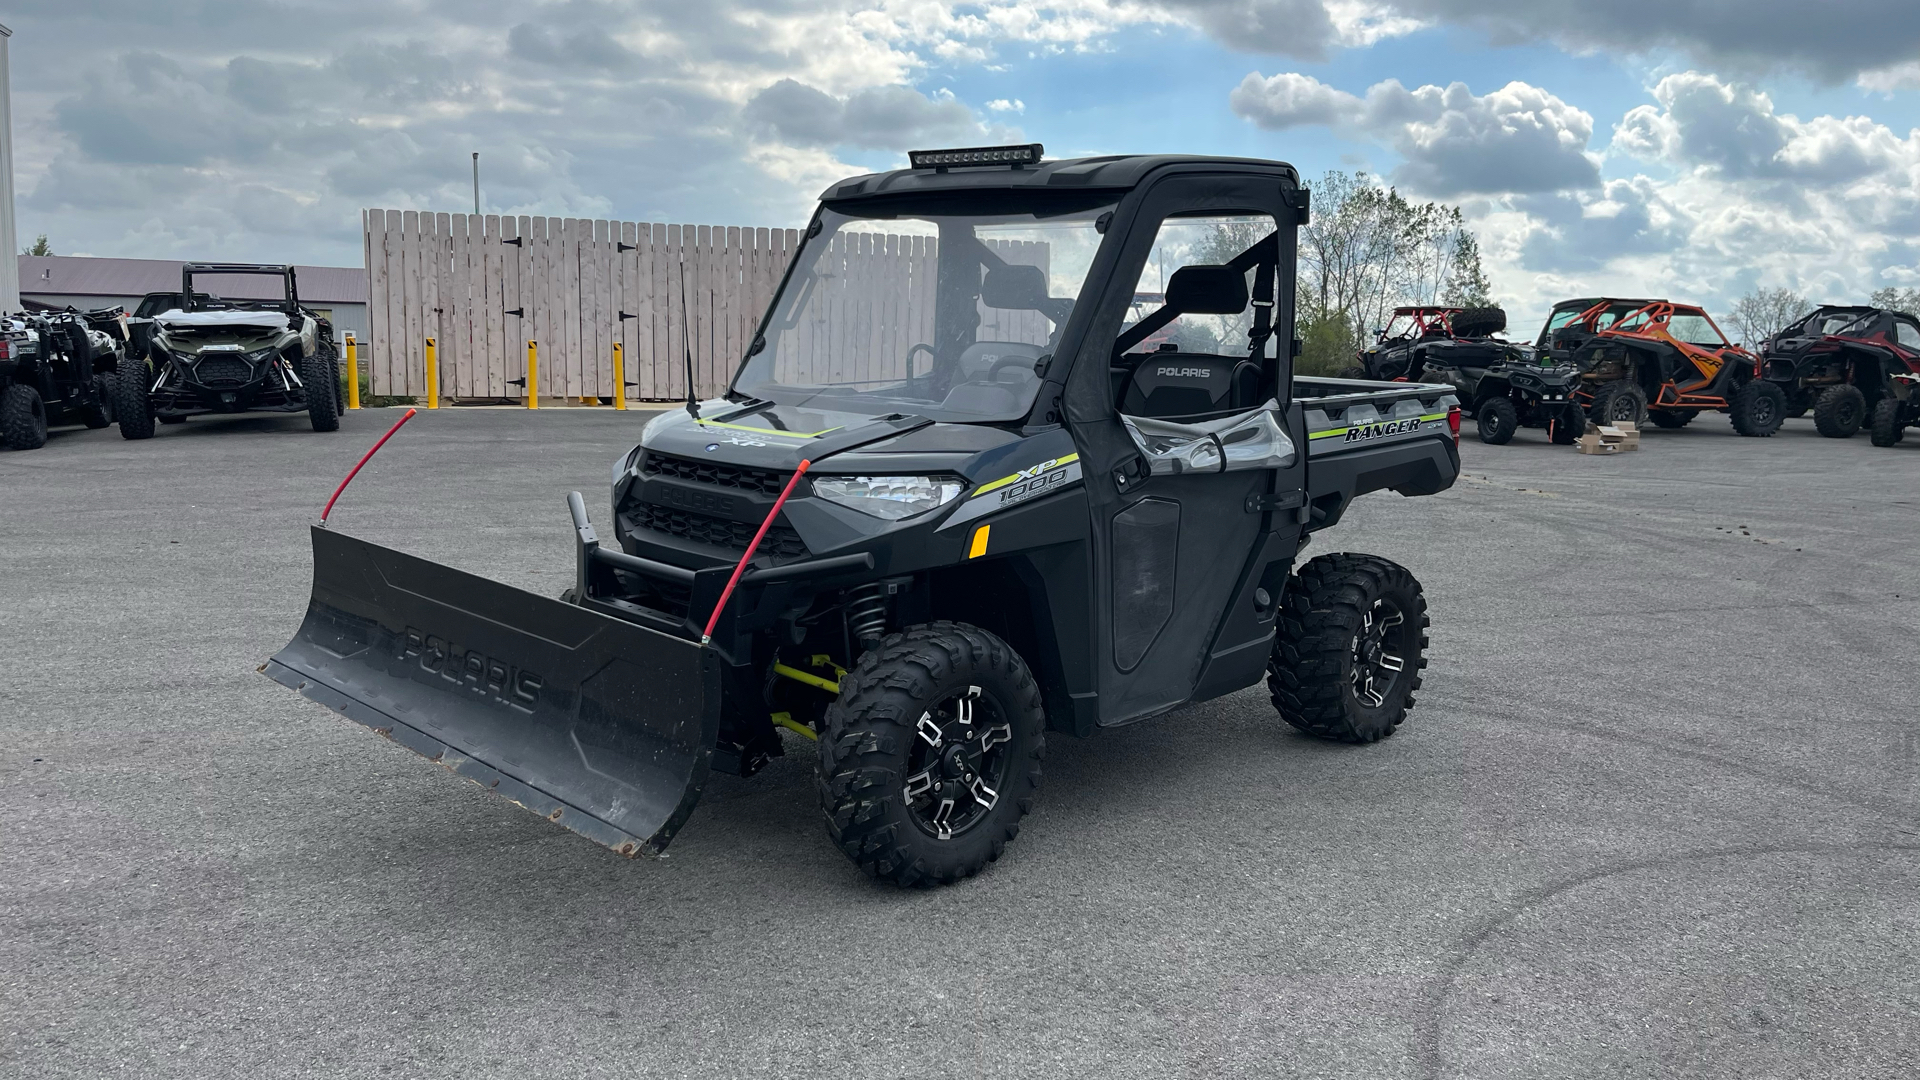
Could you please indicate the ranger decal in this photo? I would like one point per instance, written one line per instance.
(1325, 441)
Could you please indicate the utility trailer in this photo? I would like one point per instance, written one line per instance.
(941, 513)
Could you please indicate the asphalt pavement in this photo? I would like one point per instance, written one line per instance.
(1657, 813)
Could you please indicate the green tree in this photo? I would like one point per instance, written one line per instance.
(1326, 345)
(1467, 284)
(1369, 250)
(39, 246)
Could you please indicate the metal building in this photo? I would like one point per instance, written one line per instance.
(338, 292)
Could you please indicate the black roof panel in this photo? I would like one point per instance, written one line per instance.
(1119, 173)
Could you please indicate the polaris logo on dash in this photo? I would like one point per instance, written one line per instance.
(1185, 372)
(1363, 432)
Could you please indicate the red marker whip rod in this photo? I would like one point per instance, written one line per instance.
(712, 620)
(355, 471)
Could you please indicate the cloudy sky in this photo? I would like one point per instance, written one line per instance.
(1695, 148)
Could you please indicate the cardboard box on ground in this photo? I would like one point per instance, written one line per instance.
(1614, 438)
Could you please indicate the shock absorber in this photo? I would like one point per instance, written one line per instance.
(867, 613)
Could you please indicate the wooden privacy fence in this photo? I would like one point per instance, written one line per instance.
(482, 286)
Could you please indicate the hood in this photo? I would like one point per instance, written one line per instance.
(265, 321)
(769, 436)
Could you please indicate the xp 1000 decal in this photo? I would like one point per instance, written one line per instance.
(1043, 478)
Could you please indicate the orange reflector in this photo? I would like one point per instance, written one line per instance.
(979, 547)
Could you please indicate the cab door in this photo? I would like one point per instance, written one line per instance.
(1194, 529)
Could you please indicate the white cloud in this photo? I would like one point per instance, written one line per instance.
(1888, 79)
(1733, 131)
(1518, 138)
(1829, 206)
(1003, 105)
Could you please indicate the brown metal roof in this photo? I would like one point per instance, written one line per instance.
(74, 275)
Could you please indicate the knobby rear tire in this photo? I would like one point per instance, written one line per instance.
(1620, 400)
(1311, 673)
(23, 418)
(865, 749)
(98, 412)
(1839, 411)
(1887, 430)
(322, 378)
(133, 399)
(1757, 409)
(1566, 429)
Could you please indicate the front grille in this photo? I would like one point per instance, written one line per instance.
(781, 542)
(220, 371)
(718, 474)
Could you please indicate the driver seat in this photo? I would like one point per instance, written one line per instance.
(1188, 387)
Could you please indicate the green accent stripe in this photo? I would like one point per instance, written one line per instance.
(1331, 432)
(768, 431)
(1005, 480)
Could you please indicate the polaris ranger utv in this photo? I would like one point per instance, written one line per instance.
(1840, 362)
(230, 356)
(949, 505)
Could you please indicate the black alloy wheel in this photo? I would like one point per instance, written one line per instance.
(930, 754)
(1350, 645)
(957, 766)
(1380, 651)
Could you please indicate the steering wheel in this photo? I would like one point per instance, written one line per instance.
(993, 369)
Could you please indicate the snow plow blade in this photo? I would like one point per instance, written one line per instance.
(599, 725)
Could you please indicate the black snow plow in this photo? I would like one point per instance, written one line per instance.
(597, 724)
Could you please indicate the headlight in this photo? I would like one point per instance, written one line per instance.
(890, 497)
(257, 355)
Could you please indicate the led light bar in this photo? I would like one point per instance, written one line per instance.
(1023, 154)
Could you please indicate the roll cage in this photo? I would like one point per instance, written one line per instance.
(1422, 322)
(202, 301)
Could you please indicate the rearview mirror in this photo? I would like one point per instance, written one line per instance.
(1014, 287)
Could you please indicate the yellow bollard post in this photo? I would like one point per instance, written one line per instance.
(533, 374)
(619, 380)
(353, 373)
(433, 374)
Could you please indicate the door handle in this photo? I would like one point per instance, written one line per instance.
(1278, 500)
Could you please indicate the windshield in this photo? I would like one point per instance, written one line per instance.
(1563, 315)
(1832, 322)
(1695, 330)
(948, 310)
